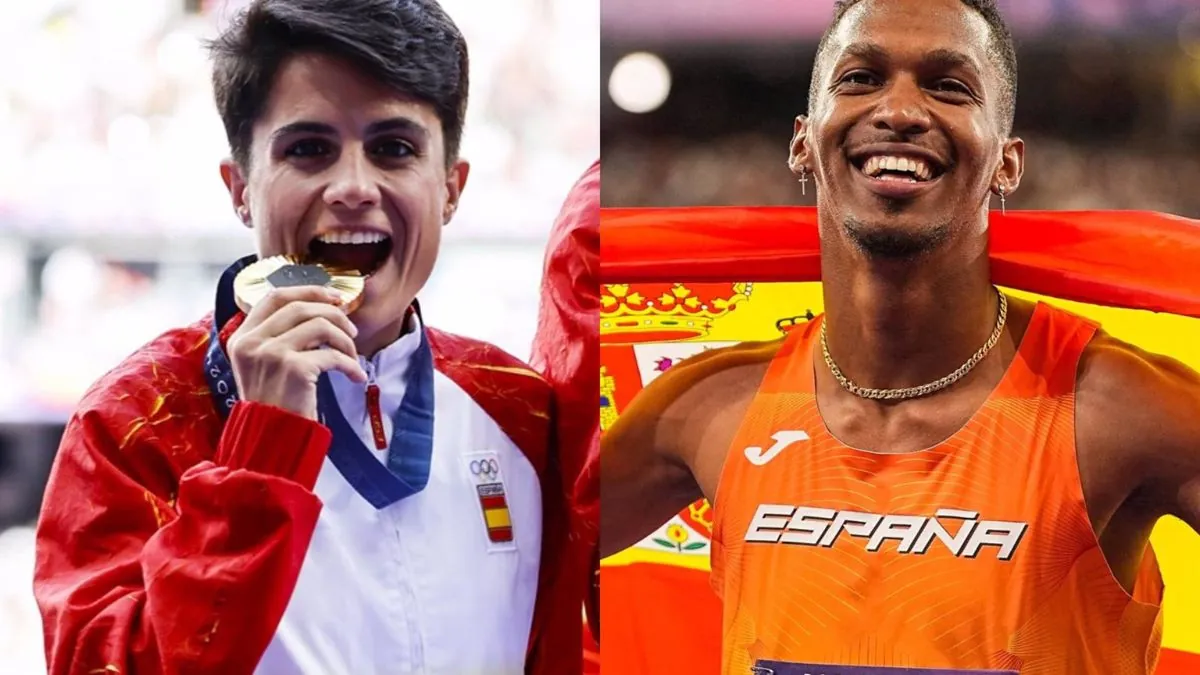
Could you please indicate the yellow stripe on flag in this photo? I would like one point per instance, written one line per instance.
(634, 556)
(1178, 548)
(497, 518)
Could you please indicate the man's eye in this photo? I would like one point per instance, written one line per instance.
(859, 77)
(307, 148)
(952, 86)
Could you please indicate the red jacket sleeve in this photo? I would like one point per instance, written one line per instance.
(566, 352)
(566, 348)
(136, 575)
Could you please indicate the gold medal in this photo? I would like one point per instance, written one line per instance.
(256, 281)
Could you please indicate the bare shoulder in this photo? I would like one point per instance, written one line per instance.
(1140, 411)
(716, 385)
(716, 374)
(1138, 388)
(694, 409)
(712, 381)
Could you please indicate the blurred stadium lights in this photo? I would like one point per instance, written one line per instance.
(640, 82)
(693, 21)
(1109, 101)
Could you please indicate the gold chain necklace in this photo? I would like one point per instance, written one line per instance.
(924, 389)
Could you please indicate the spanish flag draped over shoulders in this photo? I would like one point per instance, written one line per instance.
(678, 281)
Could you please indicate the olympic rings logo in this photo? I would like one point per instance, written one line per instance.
(485, 467)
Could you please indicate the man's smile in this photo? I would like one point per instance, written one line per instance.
(897, 171)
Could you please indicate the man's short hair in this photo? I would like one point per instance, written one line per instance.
(410, 46)
(1001, 49)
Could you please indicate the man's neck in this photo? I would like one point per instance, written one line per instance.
(894, 324)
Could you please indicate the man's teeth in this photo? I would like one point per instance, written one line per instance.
(346, 237)
(880, 163)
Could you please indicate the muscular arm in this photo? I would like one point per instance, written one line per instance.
(1140, 412)
(130, 581)
(1172, 473)
(668, 447)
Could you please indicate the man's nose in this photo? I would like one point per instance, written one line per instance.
(902, 109)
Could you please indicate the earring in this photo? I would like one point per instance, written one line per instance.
(803, 180)
(1003, 205)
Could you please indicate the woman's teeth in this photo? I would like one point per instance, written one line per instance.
(349, 237)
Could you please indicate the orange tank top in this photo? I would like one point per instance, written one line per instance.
(975, 555)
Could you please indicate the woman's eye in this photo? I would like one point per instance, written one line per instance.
(307, 148)
(394, 148)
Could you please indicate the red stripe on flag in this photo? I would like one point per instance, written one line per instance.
(645, 606)
(494, 502)
(1131, 259)
(1173, 662)
(500, 534)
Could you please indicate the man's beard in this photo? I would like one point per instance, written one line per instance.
(893, 243)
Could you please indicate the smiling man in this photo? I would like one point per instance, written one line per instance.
(931, 475)
(307, 487)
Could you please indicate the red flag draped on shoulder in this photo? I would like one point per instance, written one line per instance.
(664, 616)
(1127, 259)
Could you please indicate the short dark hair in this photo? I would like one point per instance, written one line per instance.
(1002, 50)
(411, 46)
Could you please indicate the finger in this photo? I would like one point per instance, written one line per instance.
(291, 316)
(315, 333)
(324, 360)
(279, 298)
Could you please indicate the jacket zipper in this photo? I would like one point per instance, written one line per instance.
(373, 411)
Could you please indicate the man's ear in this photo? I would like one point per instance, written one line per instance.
(799, 155)
(1012, 167)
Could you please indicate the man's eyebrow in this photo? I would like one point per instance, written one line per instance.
(948, 59)
(868, 51)
(944, 59)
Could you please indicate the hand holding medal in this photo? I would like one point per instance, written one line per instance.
(297, 327)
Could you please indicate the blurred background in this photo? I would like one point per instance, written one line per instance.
(700, 96)
(114, 223)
